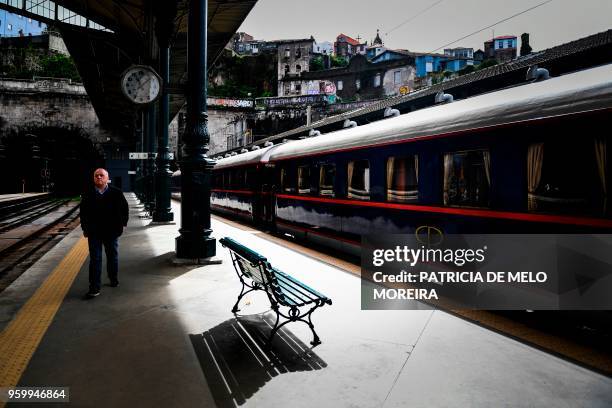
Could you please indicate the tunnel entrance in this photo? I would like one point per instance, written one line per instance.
(48, 159)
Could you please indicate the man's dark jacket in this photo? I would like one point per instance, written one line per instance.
(104, 215)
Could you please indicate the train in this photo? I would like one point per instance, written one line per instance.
(531, 158)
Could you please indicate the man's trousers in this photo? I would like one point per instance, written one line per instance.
(111, 246)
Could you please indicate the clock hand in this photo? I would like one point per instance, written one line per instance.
(146, 82)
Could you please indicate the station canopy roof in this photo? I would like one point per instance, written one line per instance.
(103, 55)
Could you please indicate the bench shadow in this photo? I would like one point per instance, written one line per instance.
(237, 361)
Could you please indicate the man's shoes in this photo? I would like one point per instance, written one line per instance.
(114, 284)
(92, 294)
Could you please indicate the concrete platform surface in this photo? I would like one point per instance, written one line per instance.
(166, 338)
(19, 196)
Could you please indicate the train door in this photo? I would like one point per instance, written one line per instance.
(268, 195)
(253, 184)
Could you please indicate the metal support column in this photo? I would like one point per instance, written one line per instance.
(143, 163)
(163, 210)
(151, 138)
(140, 148)
(195, 241)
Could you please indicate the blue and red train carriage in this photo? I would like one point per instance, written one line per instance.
(532, 158)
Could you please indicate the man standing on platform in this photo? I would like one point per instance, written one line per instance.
(104, 213)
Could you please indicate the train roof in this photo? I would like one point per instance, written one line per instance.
(582, 91)
(243, 159)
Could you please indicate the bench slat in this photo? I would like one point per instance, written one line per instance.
(251, 271)
(290, 294)
(282, 274)
(296, 292)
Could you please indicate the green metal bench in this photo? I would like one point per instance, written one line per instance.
(289, 298)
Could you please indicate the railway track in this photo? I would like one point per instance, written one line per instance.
(29, 232)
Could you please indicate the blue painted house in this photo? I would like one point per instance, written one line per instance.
(14, 25)
(501, 48)
(426, 63)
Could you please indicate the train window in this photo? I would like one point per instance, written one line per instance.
(567, 177)
(359, 179)
(218, 180)
(467, 178)
(239, 179)
(227, 179)
(286, 182)
(304, 179)
(327, 176)
(403, 179)
(249, 178)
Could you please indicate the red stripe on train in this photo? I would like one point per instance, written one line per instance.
(245, 192)
(559, 219)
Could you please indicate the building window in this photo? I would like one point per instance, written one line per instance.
(397, 77)
(287, 69)
(304, 179)
(287, 52)
(298, 53)
(467, 178)
(340, 85)
(298, 68)
(402, 179)
(9, 27)
(358, 84)
(298, 88)
(429, 67)
(377, 80)
(327, 177)
(359, 179)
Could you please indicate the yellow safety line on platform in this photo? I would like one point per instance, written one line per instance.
(21, 337)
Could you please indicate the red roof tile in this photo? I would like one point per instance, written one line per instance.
(349, 40)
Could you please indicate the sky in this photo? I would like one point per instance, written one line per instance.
(554, 23)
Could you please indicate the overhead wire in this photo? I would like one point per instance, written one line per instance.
(414, 16)
(493, 25)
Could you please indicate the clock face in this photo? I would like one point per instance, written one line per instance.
(140, 84)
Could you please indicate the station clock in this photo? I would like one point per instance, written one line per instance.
(141, 84)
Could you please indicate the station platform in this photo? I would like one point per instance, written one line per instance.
(16, 197)
(166, 338)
